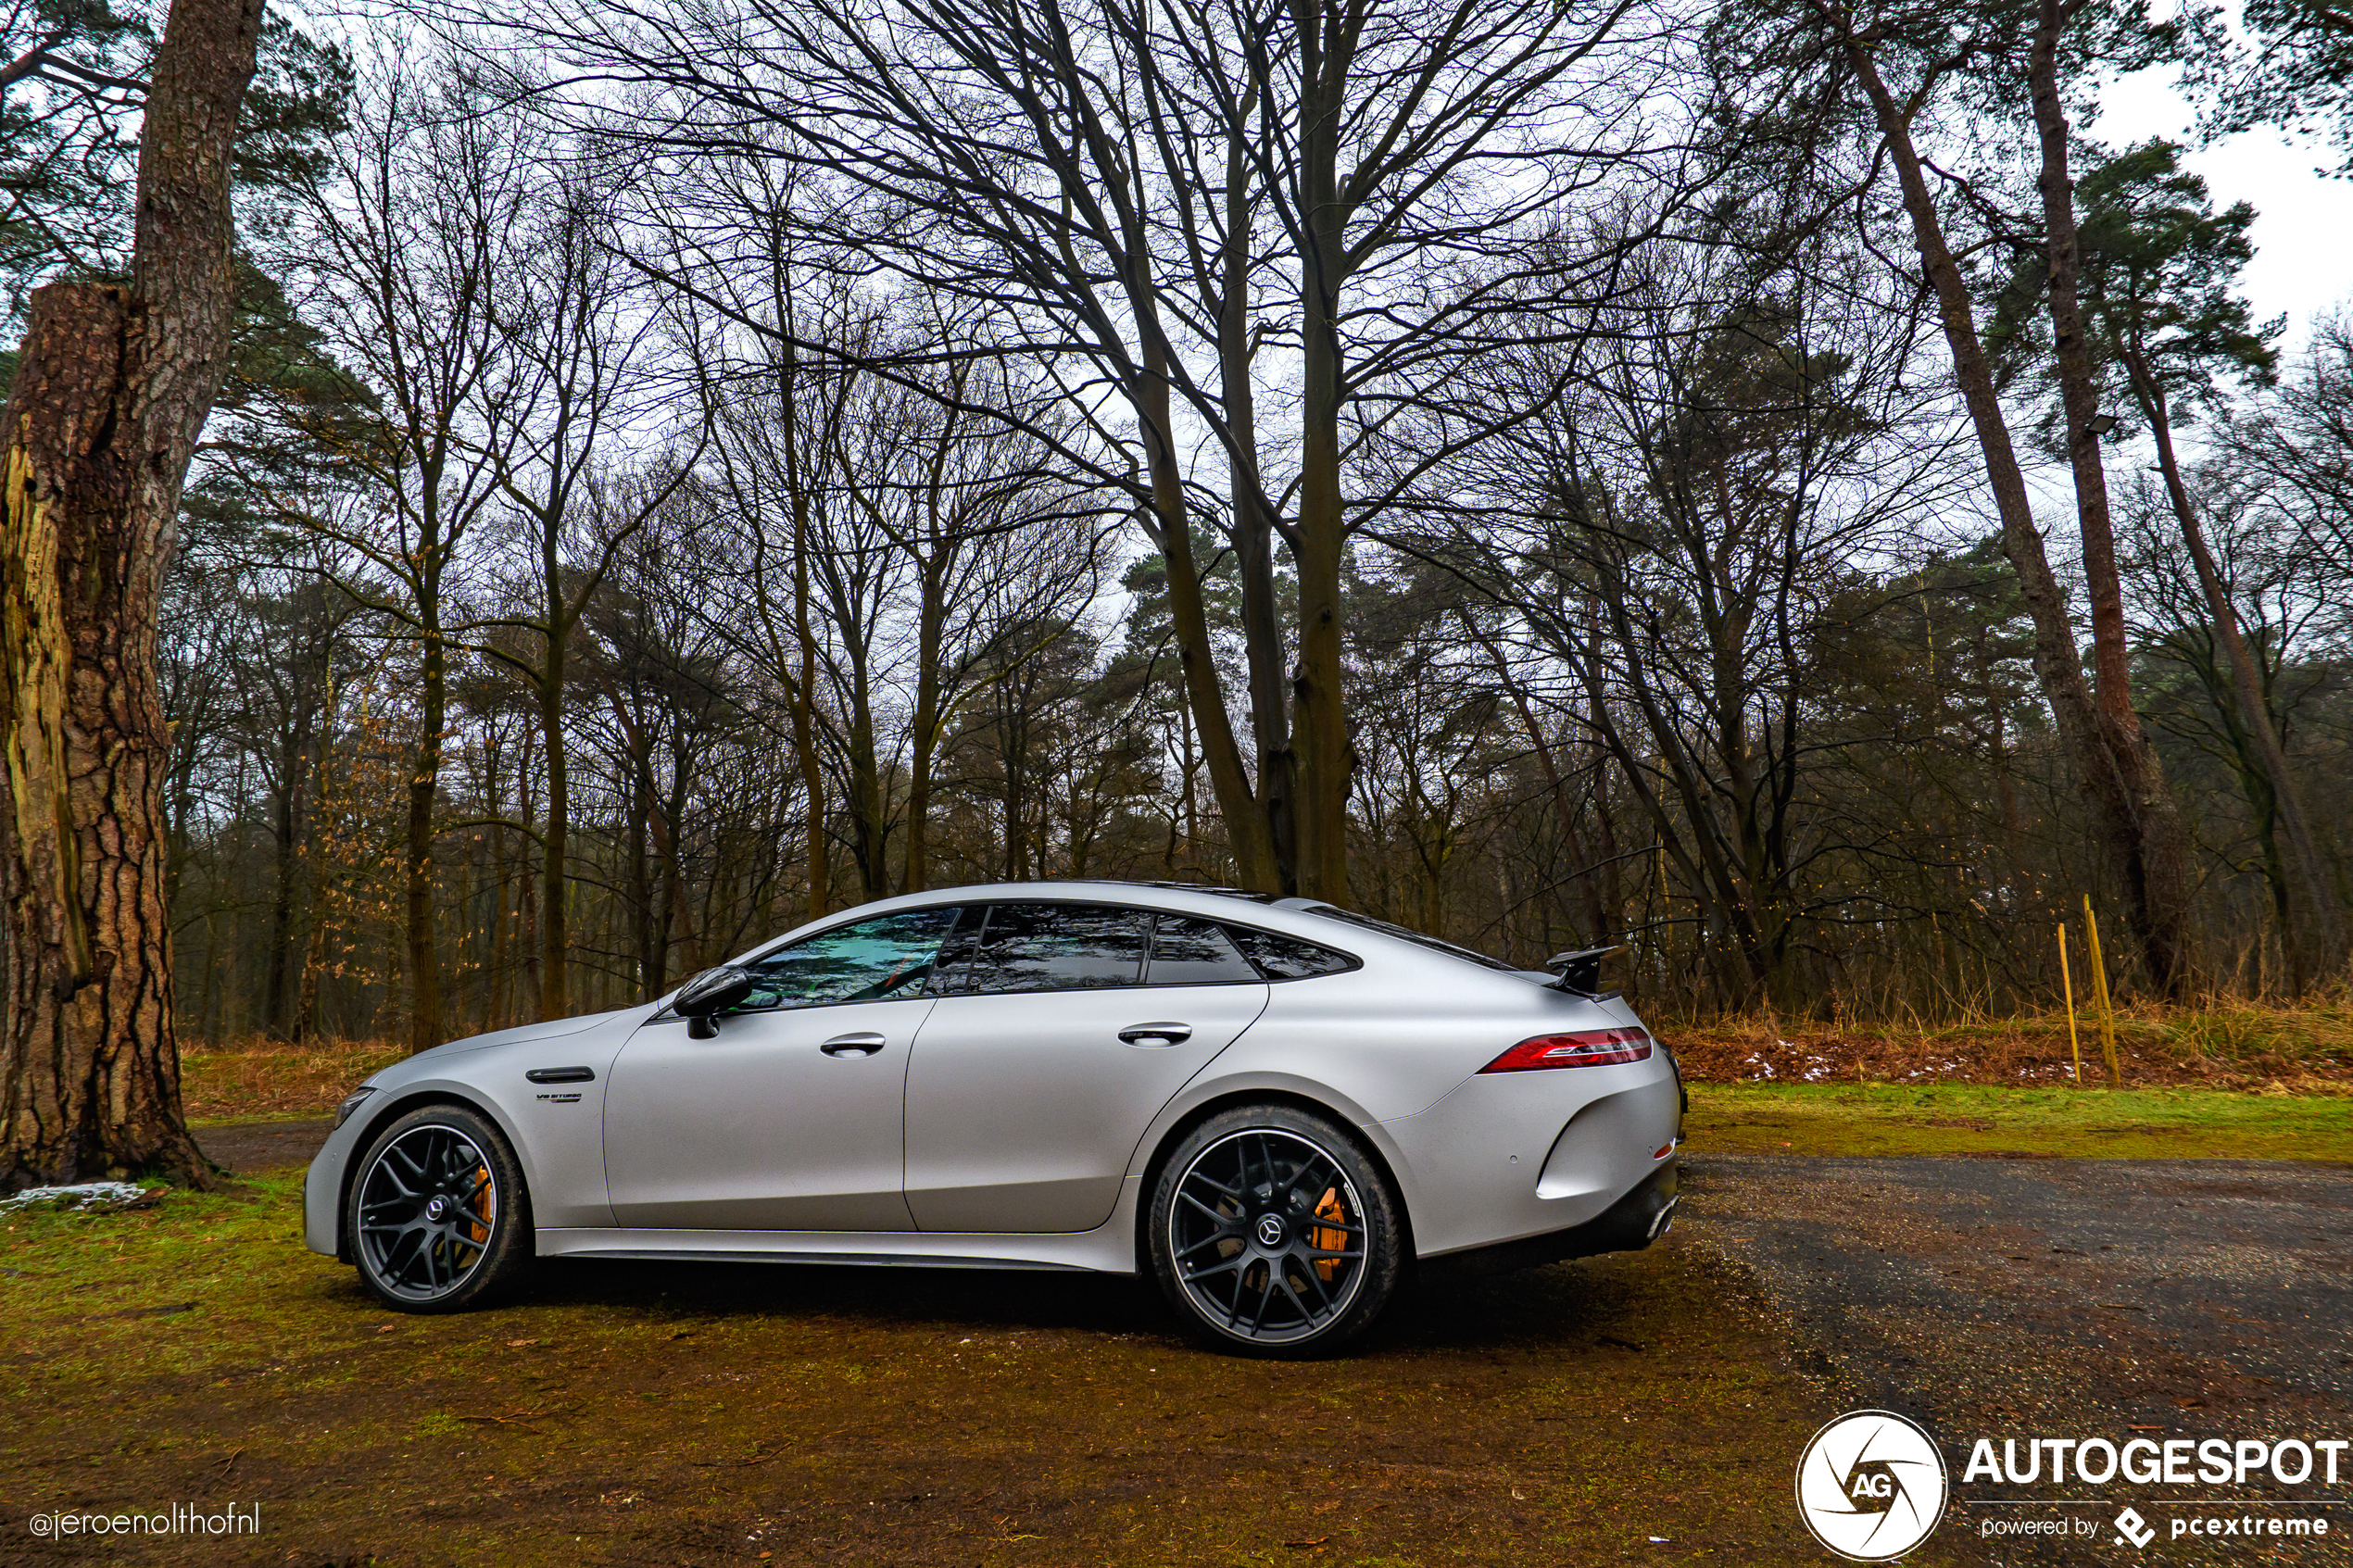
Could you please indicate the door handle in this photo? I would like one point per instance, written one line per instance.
(865, 1043)
(1167, 1033)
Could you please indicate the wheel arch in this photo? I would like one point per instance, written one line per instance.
(400, 1105)
(1234, 1099)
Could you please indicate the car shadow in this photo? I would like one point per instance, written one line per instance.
(1564, 1306)
(901, 1297)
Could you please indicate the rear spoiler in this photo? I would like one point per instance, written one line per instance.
(1581, 971)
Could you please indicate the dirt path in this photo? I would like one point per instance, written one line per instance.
(250, 1148)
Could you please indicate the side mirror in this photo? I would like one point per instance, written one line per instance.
(705, 996)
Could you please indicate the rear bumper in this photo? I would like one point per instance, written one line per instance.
(1636, 1219)
(1510, 1156)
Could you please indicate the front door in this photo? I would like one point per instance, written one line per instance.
(792, 1117)
(1051, 1050)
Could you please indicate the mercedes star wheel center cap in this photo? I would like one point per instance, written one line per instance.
(1270, 1230)
(436, 1209)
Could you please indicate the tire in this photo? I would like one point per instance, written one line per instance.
(1273, 1233)
(438, 1217)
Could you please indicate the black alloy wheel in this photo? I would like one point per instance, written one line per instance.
(1274, 1234)
(438, 1216)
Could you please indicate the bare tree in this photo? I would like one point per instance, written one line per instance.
(579, 374)
(416, 238)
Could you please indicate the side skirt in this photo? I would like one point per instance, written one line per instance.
(1107, 1250)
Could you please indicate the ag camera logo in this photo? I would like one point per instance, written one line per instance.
(1871, 1485)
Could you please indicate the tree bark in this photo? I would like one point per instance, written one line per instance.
(113, 387)
(2156, 864)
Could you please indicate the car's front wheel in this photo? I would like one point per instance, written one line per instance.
(438, 1218)
(1273, 1233)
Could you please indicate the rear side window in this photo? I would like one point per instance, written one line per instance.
(1054, 948)
(873, 961)
(1286, 957)
(1196, 952)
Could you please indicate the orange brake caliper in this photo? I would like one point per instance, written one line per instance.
(1327, 1208)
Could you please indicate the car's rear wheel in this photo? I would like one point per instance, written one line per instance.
(1273, 1233)
(439, 1220)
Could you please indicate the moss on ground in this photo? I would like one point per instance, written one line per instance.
(1968, 1119)
(633, 1413)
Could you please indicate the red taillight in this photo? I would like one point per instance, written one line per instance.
(1594, 1047)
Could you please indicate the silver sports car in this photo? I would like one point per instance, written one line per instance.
(1274, 1106)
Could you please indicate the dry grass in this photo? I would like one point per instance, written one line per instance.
(264, 1078)
(2222, 1044)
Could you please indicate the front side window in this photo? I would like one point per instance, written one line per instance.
(1054, 948)
(872, 961)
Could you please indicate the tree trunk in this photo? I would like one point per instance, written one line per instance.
(2058, 664)
(2314, 935)
(804, 705)
(1253, 528)
(1246, 830)
(113, 385)
(923, 738)
(424, 789)
(2156, 875)
(639, 851)
(870, 827)
(283, 827)
(555, 935)
(1319, 725)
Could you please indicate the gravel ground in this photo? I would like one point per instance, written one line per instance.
(2028, 1297)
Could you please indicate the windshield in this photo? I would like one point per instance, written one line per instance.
(1368, 923)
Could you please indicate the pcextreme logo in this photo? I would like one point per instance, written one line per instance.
(1871, 1485)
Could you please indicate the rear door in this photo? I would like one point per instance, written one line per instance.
(1062, 1030)
(792, 1117)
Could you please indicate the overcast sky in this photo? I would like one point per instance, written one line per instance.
(2304, 225)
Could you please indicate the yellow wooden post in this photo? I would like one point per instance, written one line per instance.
(2099, 989)
(2066, 985)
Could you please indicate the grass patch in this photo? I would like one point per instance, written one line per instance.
(636, 1413)
(1971, 1119)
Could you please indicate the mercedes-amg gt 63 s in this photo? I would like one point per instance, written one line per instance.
(1274, 1107)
